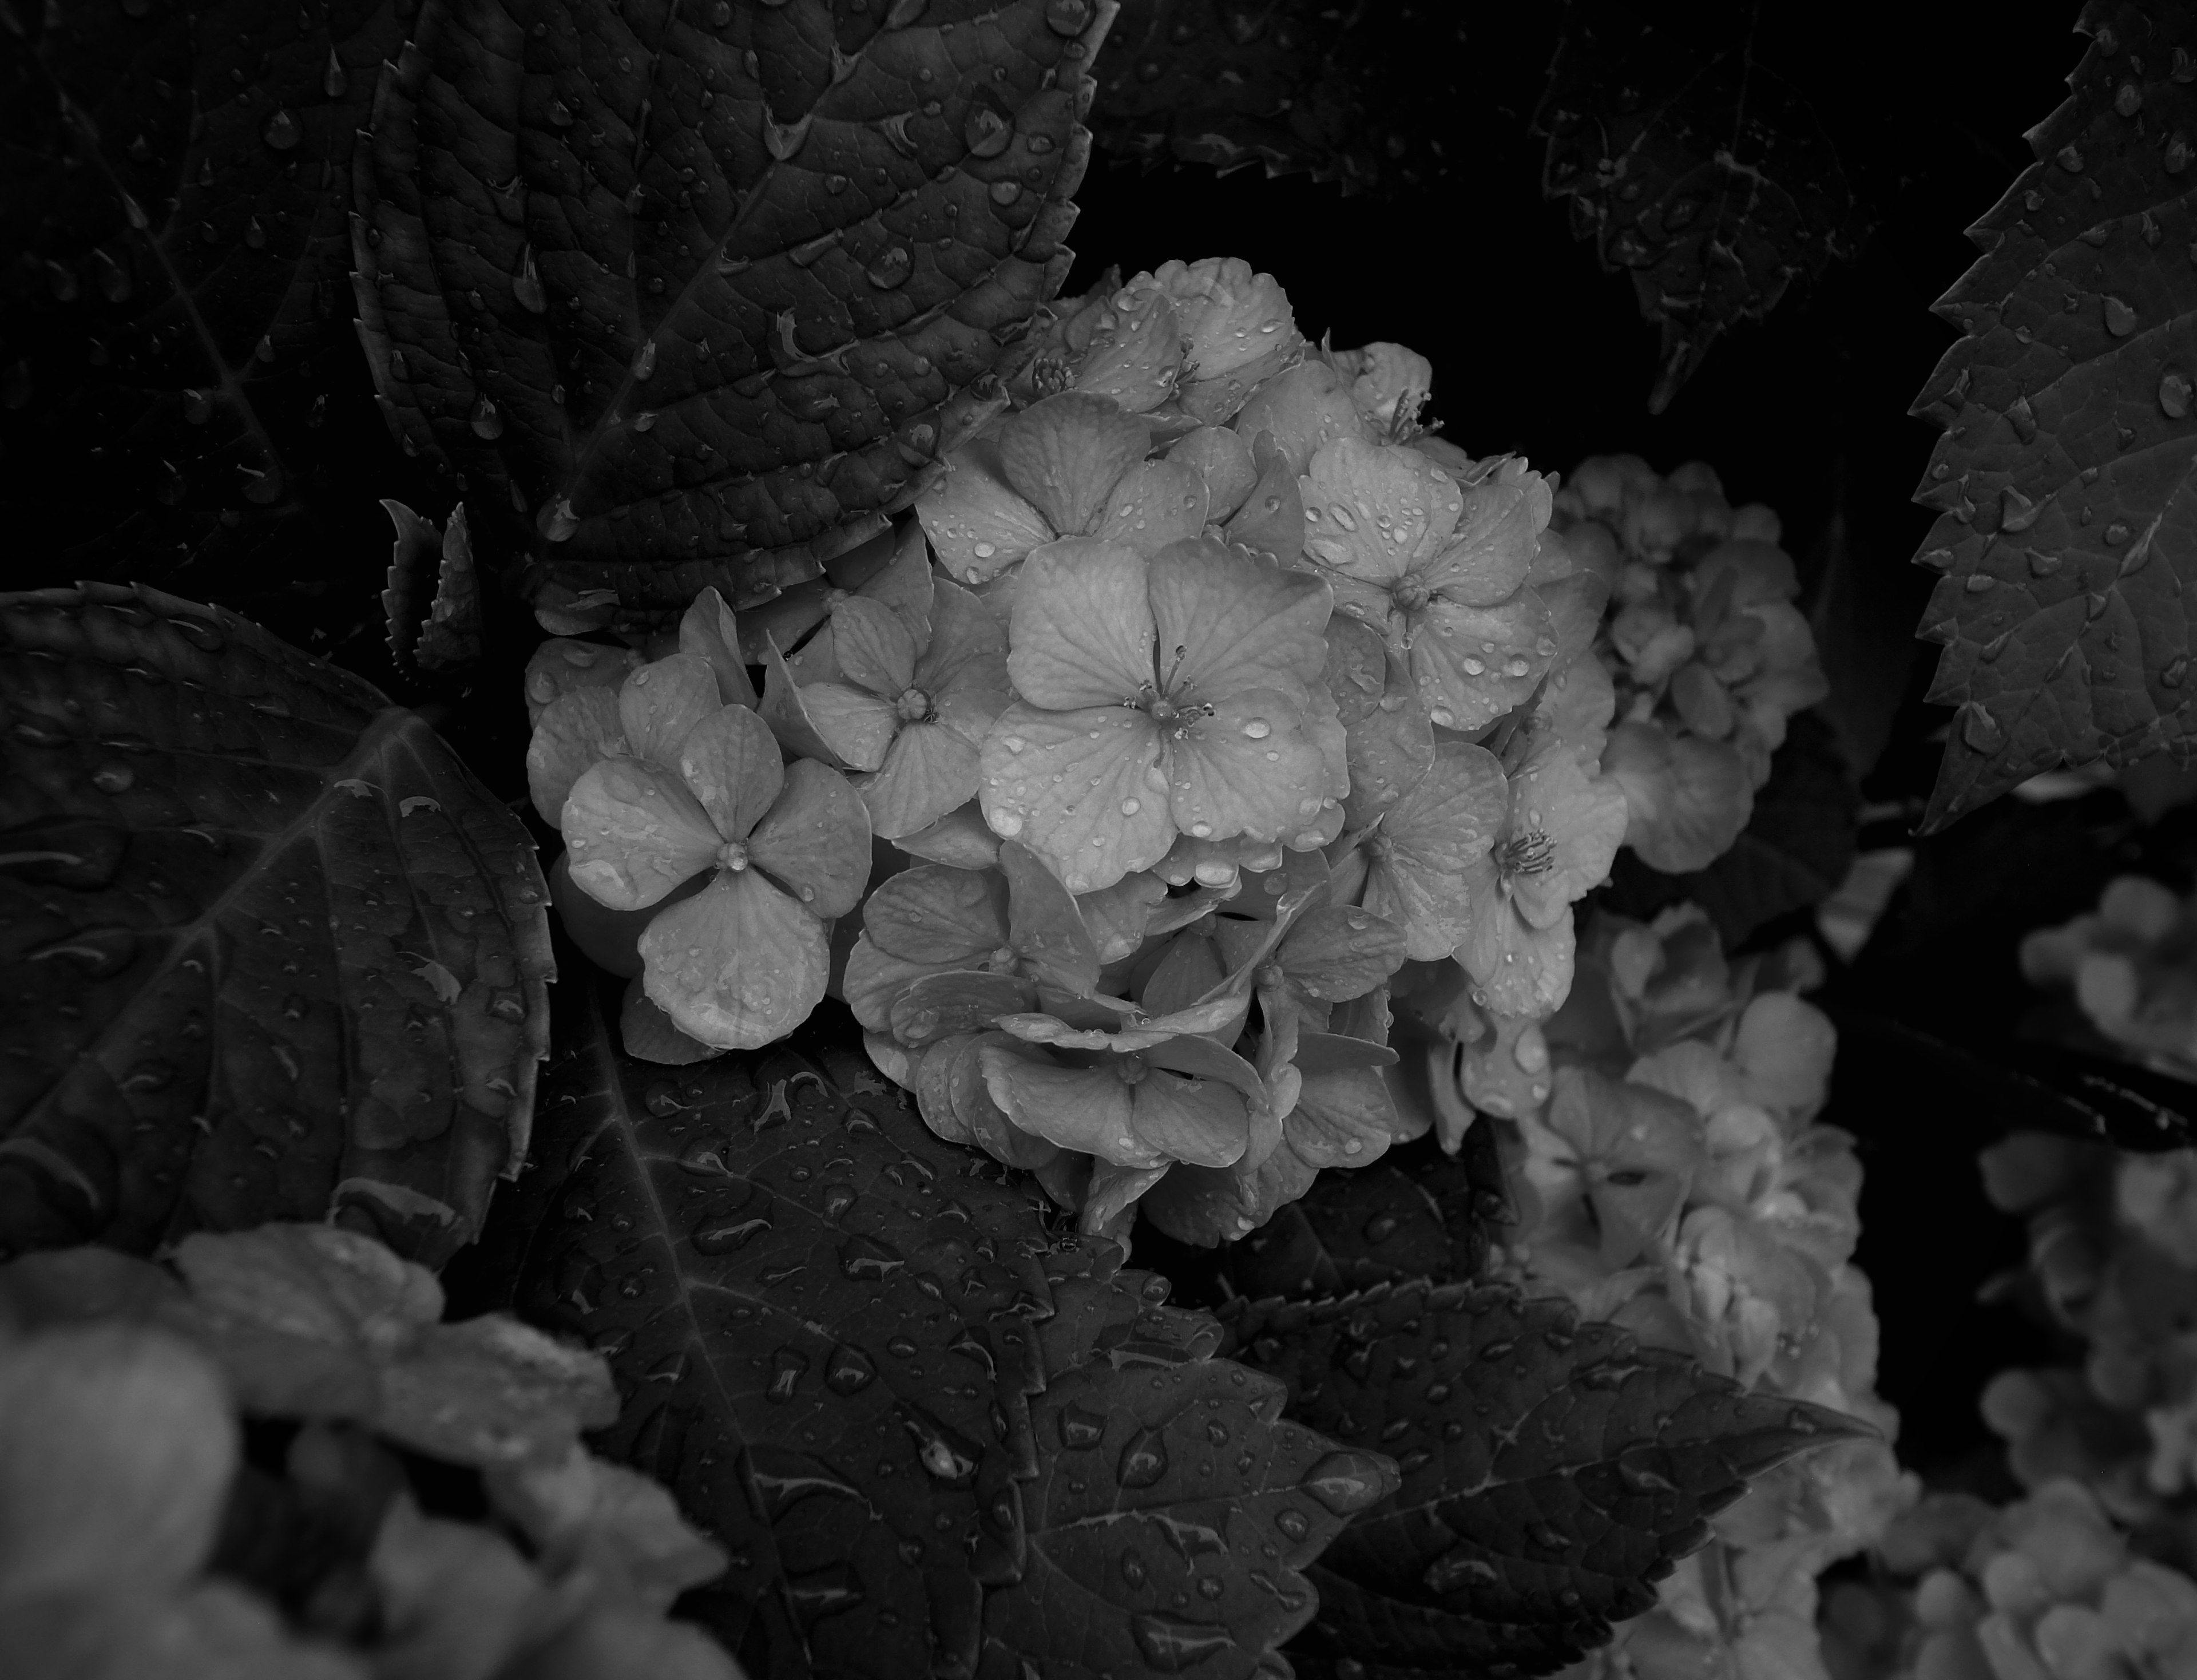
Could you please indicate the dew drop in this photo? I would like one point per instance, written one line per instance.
(334, 81)
(1080, 1429)
(849, 1371)
(1144, 1459)
(1258, 729)
(2174, 395)
(1346, 1482)
(725, 1237)
(113, 778)
(1981, 730)
(1133, 1569)
(867, 1260)
(1005, 823)
(1131, 807)
(787, 1367)
(281, 131)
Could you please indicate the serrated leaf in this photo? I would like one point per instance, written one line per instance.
(794, 278)
(222, 1010)
(1553, 1470)
(830, 1324)
(1695, 168)
(2062, 485)
(178, 193)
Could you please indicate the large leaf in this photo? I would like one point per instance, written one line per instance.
(1366, 96)
(852, 1352)
(175, 311)
(271, 952)
(1693, 167)
(1553, 1471)
(705, 294)
(2062, 485)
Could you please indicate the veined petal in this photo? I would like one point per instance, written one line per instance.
(905, 584)
(1271, 521)
(1119, 915)
(876, 980)
(816, 840)
(874, 648)
(949, 917)
(857, 727)
(739, 966)
(978, 523)
(1376, 512)
(1521, 969)
(1496, 537)
(1390, 751)
(1084, 790)
(1471, 664)
(1305, 409)
(1221, 458)
(1225, 621)
(632, 832)
(1230, 314)
(782, 708)
(960, 1001)
(1157, 502)
(985, 1121)
(1584, 817)
(1451, 818)
(1135, 360)
(1356, 672)
(1084, 1109)
(929, 771)
(968, 645)
(969, 712)
(730, 762)
(708, 630)
(961, 838)
(574, 730)
(1334, 952)
(1082, 629)
(1044, 925)
(1346, 1118)
(660, 702)
(1185, 1118)
(1251, 768)
(1687, 799)
(1066, 452)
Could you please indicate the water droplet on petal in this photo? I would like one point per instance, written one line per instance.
(1144, 1459)
(1080, 1429)
(1258, 729)
(1131, 807)
(281, 131)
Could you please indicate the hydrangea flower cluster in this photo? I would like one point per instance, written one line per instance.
(1669, 1174)
(2131, 967)
(1708, 653)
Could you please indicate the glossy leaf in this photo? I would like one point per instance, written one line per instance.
(772, 346)
(1553, 1471)
(2063, 486)
(335, 938)
(831, 1323)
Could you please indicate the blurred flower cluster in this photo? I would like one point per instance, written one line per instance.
(1708, 651)
(2131, 967)
(1669, 1174)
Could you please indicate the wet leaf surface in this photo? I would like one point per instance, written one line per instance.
(863, 1362)
(271, 952)
(704, 293)
(2063, 484)
(1553, 1471)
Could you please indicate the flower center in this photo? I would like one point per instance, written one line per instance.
(1129, 1069)
(914, 705)
(1409, 595)
(734, 856)
(1003, 960)
(1175, 718)
(1531, 854)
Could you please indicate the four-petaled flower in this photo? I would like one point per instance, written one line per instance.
(1172, 695)
(1439, 568)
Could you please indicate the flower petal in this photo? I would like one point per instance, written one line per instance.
(1450, 819)
(1334, 952)
(563, 664)
(1390, 751)
(948, 918)
(1221, 458)
(739, 966)
(876, 980)
(1356, 669)
(1271, 521)
(632, 832)
(1185, 1117)
(1157, 502)
(1083, 1108)
(1336, 1110)
(1118, 916)
(1582, 816)
(968, 646)
(648, 1034)
(730, 762)
(961, 838)
(1471, 664)
(1306, 408)
(984, 1120)
(816, 840)
(1521, 969)
(708, 630)
(855, 726)
(906, 583)
(782, 709)
(1250, 767)
(659, 703)
(1044, 925)
(874, 648)
(961, 1000)
(1082, 630)
(929, 771)
(1230, 315)
(1190, 967)
(1067, 452)
(574, 730)
(1083, 789)
(978, 524)
(1687, 798)
(1376, 512)
(1496, 537)
(1226, 621)
(1135, 356)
